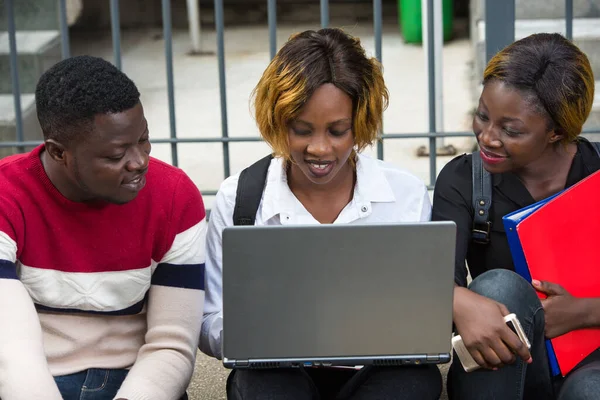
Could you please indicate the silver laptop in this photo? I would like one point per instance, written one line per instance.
(337, 295)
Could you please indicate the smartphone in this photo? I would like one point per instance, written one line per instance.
(468, 362)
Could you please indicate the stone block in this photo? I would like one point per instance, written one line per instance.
(37, 51)
(542, 9)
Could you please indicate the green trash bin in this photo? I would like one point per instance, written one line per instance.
(409, 19)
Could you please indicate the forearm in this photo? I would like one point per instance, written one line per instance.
(212, 321)
(24, 372)
(165, 363)
(589, 313)
(210, 337)
(459, 297)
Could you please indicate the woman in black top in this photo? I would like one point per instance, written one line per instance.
(537, 94)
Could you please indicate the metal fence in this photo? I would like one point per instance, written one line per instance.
(499, 32)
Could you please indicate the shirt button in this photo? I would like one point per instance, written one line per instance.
(364, 209)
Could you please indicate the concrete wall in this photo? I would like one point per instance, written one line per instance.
(38, 15)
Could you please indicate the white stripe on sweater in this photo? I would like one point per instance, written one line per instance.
(86, 291)
(185, 249)
(108, 291)
(8, 248)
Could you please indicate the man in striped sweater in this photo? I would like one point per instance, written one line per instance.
(101, 250)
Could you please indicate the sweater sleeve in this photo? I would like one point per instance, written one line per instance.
(24, 372)
(165, 362)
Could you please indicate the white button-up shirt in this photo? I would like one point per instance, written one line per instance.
(383, 193)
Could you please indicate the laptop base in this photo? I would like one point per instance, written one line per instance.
(387, 361)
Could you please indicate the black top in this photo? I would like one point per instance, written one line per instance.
(452, 201)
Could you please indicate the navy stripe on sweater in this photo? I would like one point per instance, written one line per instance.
(8, 270)
(187, 276)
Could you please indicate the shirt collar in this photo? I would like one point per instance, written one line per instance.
(372, 186)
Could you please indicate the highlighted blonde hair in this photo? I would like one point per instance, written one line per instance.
(554, 73)
(308, 60)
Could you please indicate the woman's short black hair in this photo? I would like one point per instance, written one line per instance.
(554, 73)
(73, 91)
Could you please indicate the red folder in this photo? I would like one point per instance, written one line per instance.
(561, 244)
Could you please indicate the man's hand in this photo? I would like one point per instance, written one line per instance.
(562, 311)
(480, 322)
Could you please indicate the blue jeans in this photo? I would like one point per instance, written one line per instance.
(519, 380)
(377, 383)
(92, 384)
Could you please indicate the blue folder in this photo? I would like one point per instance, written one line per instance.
(511, 221)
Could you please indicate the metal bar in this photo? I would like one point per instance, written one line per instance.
(426, 135)
(324, 13)
(210, 140)
(428, 39)
(258, 139)
(499, 26)
(438, 45)
(166, 16)
(31, 143)
(272, 16)
(65, 46)
(193, 11)
(219, 21)
(115, 27)
(569, 18)
(377, 24)
(14, 72)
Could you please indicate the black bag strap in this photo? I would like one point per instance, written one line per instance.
(250, 187)
(482, 200)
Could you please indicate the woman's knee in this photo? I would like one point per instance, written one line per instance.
(422, 382)
(506, 287)
(427, 381)
(284, 383)
(582, 384)
(431, 382)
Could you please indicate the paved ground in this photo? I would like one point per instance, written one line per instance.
(198, 110)
(209, 379)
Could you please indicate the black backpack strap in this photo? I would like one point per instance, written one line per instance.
(250, 188)
(482, 200)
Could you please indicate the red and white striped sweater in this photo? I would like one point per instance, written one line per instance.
(114, 286)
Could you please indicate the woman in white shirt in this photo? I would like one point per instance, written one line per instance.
(318, 104)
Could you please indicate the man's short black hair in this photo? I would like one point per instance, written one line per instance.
(73, 91)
